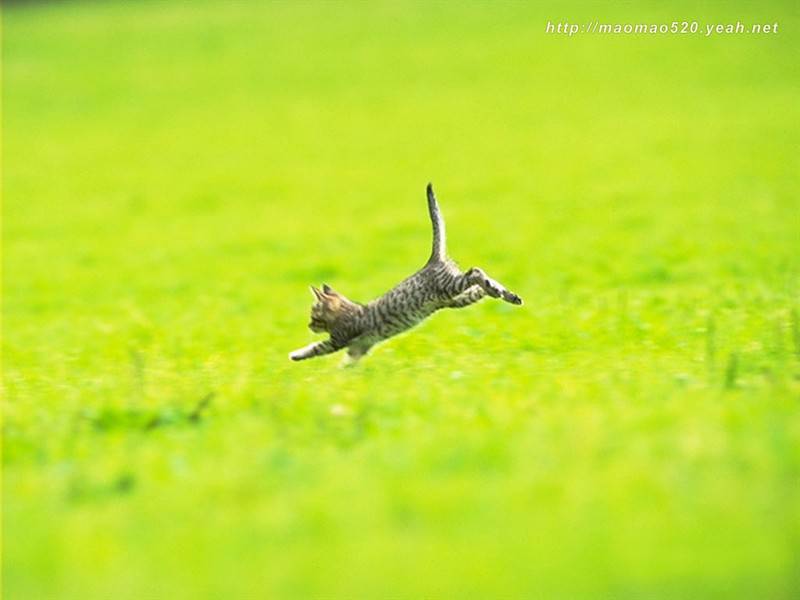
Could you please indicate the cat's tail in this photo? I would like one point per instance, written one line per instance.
(439, 251)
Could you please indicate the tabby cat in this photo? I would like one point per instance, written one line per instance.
(439, 284)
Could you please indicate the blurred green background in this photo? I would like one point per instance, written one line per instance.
(176, 174)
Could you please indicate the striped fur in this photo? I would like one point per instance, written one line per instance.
(439, 284)
(439, 251)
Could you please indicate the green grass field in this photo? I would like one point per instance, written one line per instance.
(175, 175)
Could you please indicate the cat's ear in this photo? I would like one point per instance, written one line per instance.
(332, 302)
(317, 294)
(328, 290)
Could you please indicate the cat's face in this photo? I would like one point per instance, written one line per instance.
(325, 310)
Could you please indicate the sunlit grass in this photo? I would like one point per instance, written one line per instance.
(176, 175)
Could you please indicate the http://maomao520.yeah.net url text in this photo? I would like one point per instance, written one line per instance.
(569, 28)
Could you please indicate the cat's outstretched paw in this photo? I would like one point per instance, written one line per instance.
(493, 289)
(296, 355)
(512, 298)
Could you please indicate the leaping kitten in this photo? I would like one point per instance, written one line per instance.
(439, 284)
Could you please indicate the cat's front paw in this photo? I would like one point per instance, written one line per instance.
(296, 355)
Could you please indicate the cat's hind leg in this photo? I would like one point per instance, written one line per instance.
(469, 296)
(493, 288)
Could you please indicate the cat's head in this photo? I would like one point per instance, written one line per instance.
(327, 308)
